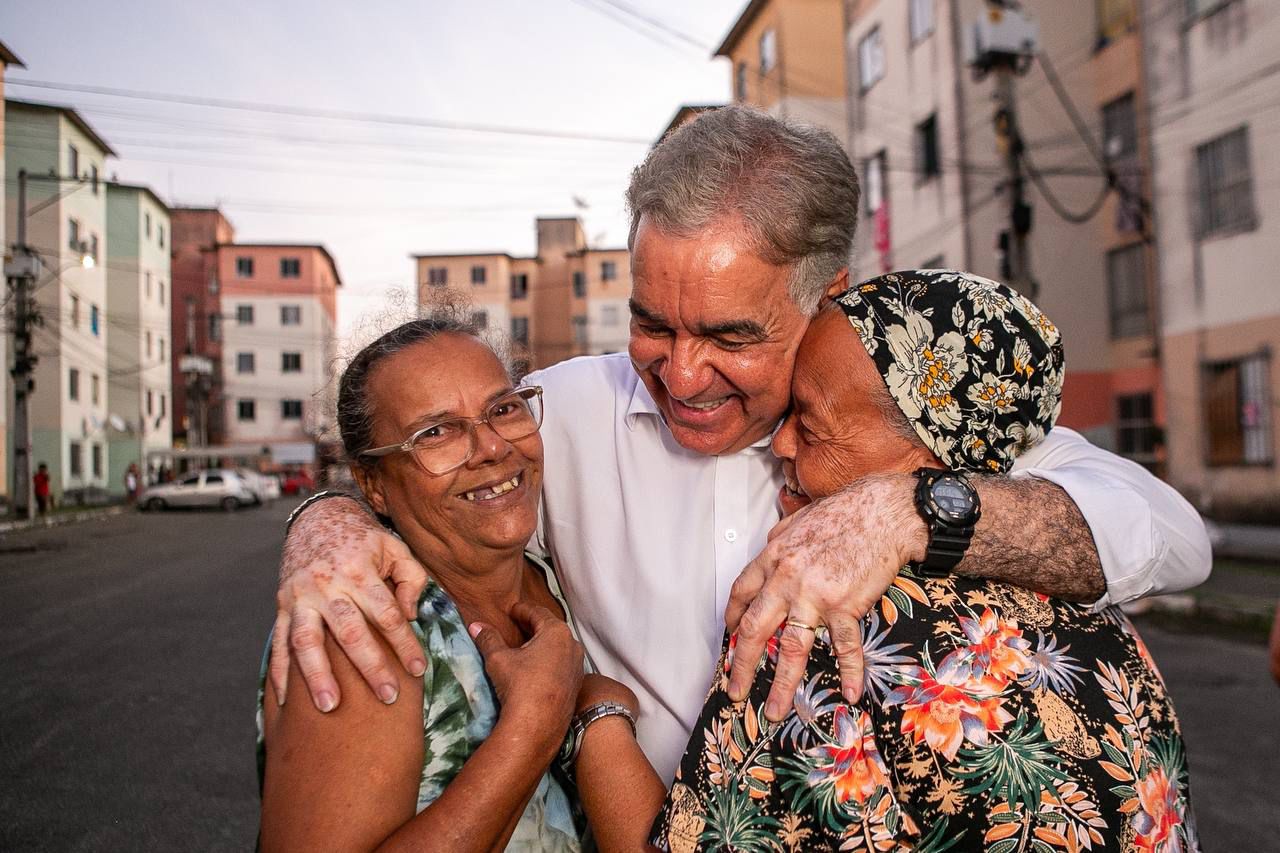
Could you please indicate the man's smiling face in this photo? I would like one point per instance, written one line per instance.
(714, 334)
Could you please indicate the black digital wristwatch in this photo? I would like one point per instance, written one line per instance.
(949, 505)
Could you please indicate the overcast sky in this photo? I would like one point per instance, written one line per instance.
(375, 192)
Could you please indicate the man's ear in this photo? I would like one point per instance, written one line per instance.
(370, 486)
(839, 284)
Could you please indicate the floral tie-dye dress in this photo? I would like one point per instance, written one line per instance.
(459, 710)
(992, 719)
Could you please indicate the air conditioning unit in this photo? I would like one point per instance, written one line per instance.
(1002, 36)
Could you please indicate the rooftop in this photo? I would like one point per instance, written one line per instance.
(740, 26)
(70, 114)
(240, 244)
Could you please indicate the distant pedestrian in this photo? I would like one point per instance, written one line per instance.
(41, 482)
(1275, 646)
(131, 484)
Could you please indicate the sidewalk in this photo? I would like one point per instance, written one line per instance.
(57, 519)
(1240, 596)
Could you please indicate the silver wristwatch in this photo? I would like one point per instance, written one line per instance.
(578, 729)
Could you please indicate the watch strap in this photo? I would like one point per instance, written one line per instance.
(572, 745)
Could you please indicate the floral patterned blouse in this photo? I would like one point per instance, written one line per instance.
(992, 719)
(459, 710)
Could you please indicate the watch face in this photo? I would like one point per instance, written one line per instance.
(953, 498)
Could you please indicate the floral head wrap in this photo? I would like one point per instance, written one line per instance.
(976, 368)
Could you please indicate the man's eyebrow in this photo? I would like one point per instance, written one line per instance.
(640, 312)
(749, 329)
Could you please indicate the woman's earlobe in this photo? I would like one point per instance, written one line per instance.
(367, 480)
(839, 284)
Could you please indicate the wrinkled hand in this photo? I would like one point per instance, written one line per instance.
(540, 678)
(829, 563)
(335, 571)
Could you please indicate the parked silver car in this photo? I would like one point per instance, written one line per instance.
(216, 487)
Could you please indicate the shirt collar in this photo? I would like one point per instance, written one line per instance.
(642, 403)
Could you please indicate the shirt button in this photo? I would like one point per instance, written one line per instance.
(731, 535)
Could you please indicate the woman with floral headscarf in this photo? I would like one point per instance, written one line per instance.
(992, 718)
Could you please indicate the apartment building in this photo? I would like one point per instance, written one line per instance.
(196, 324)
(66, 214)
(7, 58)
(279, 346)
(139, 344)
(1213, 94)
(787, 58)
(568, 299)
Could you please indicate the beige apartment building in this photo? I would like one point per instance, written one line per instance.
(567, 299)
(7, 58)
(1214, 94)
(787, 58)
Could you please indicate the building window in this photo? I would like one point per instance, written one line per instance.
(73, 161)
(519, 286)
(290, 267)
(1115, 18)
(871, 58)
(215, 327)
(95, 389)
(740, 82)
(291, 410)
(920, 19)
(873, 171)
(93, 319)
(160, 285)
(93, 177)
(244, 267)
(579, 285)
(520, 330)
(146, 224)
(290, 362)
(246, 410)
(1119, 129)
(160, 235)
(244, 315)
(96, 455)
(213, 284)
(73, 235)
(438, 276)
(164, 404)
(1225, 185)
(768, 50)
(149, 402)
(73, 384)
(608, 270)
(480, 320)
(1237, 406)
(609, 315)
(290, 315)
(148, 285)
(93, 246)
(477, 275)
(75, 311)
(244, 362)
(161, 343)
(77, 459)
(1127, 290)
(926, 139)
(148, 339)
(580, 330)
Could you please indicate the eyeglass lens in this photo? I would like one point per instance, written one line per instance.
(449, 444)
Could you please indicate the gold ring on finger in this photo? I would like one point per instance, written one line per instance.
(796, 623)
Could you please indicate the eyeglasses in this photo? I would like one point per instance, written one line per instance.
(446, 445)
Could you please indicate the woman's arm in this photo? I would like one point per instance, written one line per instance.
(348, 780)
(620, 790)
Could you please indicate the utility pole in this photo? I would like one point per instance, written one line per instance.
(1003, 42)
(21, 273)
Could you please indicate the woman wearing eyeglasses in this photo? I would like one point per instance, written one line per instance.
(446, 450)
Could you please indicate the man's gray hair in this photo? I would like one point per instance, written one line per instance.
(792, 185)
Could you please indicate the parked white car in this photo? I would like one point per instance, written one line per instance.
(216, 487)
(265, 487)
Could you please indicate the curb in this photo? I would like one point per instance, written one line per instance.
(63, 519)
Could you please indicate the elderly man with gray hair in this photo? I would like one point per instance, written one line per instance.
(660, 486)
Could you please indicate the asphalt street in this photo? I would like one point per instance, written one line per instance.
(129, 653)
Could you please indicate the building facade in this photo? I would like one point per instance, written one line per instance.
(1213, 82)
(196, 325)
(65, 160)
(139, 342)
(279, 346)
(568, 299)
(7, 59)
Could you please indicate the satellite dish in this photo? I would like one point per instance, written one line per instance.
(117, 423)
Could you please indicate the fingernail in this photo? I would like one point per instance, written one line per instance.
(772, 711)
(417, 667)
(388, 693)
(474, 629)
(325, 702)
(280, 700)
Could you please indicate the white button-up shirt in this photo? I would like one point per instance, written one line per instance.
(648, 537)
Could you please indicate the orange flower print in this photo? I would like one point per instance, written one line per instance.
(997, 652)
(1155, 823)
(946, 709)
(851, 761)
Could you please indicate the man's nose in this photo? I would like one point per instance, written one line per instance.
(784, 440)
(687, 372)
